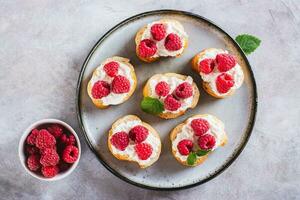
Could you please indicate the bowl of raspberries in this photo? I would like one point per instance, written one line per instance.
(49, 149)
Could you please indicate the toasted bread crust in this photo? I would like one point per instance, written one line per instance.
(125, 157)
(98, 102)
(170, 115)
(178, 129)
(138, 38)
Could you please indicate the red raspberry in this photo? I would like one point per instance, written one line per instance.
(120, 140)
(100, 89)
(200, 126)
(49, 157)
(120, 85)
(56, 130)
(70, 154)
(207, 65)
(162, 89)
(143, 150)
(173, 42)
(138, 133)
(185, 146)
(225, 62)
(158, 31)
(32, 137)
(224, 82)
(31, 150)
(147, 48)
(111, 68)
(206, 142)
(171, 103)
(33, 162)
(45, 140)
(184, 90)
(50, 171)
(68, 140)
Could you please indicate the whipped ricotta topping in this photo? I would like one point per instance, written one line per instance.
(236, 72)
(112, 98)
(217, 129)
(171, 27)
(173, 83)
(130, 151)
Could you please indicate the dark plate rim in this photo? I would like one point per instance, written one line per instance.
(251, 119)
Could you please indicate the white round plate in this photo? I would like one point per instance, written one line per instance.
(237, 112)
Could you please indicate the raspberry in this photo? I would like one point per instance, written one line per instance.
(206, 142)
(31, 150)
(100, 89)
(225, 62)
(49, 157)
(171, 103)
(138, 133)
(33, 162)
(147, 48)
(68, 140)
(162, 89)
(50, 171)
(173, 42)
(143, 150)
(63, 166)
(45, 140)
(111, 68)
(32, 137)
(200, 126)
(185, 146)
(184, 90)
(70, 154)
(120, 85)
(207, 65)
(158, 31)
(56, 130)
(120, 140)
(224, 82)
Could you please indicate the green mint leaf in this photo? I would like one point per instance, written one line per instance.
(248, 43)
(152, 105)
(191, 159)
(202, 152)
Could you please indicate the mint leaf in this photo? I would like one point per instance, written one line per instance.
(191, 159)
(202, 152)
(248, 43)
(152, 105)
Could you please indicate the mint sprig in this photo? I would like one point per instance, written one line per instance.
(248, 43)
(152, 105)
(202, 152)
(191, 159)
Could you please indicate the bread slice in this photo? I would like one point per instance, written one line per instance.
(178, 129)
(170, 115)
(125, 157)
(98, 102)
(206, 86)
(139, 35)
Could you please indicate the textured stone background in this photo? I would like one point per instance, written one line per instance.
(43, 44)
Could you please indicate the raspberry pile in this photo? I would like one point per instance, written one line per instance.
(147, 47)
(120, 84)
(172, 99)
(50, 149)
(221, 64)
(205, 140)
(136, 136)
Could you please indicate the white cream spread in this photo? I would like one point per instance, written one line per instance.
(171, 27)
(173, 82)
(112, 98)
(236, 72)
(217, 129)
(130, 151)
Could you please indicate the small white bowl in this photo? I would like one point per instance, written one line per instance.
(22, 156)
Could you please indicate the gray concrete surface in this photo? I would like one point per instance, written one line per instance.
(43, 44)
